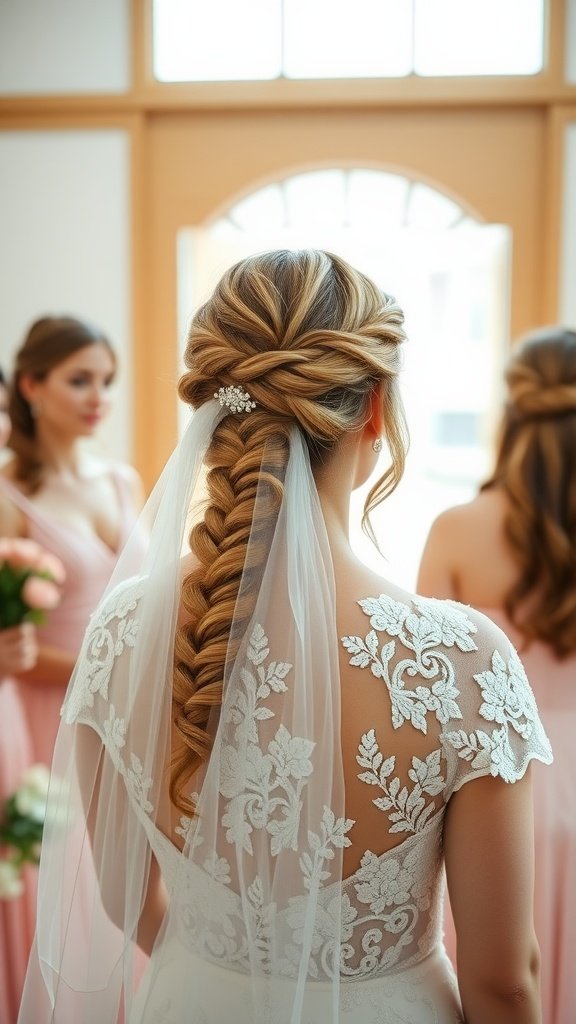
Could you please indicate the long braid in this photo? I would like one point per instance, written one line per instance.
(210, 593)
(311, 339)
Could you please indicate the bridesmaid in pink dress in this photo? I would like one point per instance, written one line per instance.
(76, 504)
(18, 653)
(511, 552)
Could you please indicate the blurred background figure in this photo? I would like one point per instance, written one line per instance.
(18, 646)
(18, 653)
(76, 503)
(511, 552)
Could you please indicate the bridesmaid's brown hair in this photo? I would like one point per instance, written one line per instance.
(536, 469)
(49, 341)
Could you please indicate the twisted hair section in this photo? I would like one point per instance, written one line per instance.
(49, 341)
(312, 341)
(536, 469)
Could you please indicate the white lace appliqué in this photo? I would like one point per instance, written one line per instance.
(108, 636)
(509, 702)
(408, 810)
(433, 625)
(386, 913)
(262, 785)
(263, 788)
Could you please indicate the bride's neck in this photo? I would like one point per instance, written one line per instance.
(334, 482)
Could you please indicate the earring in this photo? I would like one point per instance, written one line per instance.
(377, 445)
(35, 410)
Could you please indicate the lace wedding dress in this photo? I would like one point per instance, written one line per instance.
(307, 889)
(451, 680)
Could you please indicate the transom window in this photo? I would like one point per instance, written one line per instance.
(251, 40)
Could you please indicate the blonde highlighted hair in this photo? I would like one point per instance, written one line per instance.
(536, 469)
(312, 340)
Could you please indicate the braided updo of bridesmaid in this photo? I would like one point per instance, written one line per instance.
(310, 339)
(536, 468)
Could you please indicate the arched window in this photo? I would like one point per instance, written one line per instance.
(449, 272)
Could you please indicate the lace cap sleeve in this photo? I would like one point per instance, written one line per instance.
(500, 731)
(109, 637)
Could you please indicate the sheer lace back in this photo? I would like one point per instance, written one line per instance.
(315, 855)
(432, 694)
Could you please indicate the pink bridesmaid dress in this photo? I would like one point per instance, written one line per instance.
(16, 915)
(30, 714)
(554, 686)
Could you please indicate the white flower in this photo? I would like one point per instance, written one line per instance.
(218, 868)
(37, 778)
(382, 883)
(183, 828)
(385, 614)
(115, 730)
(507, 695)
(452, 621)
(30, 797)
(11, 884)
(291, 755)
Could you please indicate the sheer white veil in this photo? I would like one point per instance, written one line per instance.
(252, 882)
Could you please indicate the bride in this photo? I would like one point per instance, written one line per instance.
(265, 748)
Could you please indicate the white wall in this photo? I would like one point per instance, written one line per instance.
(60, 46)
(65, 244)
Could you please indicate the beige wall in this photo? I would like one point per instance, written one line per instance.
(496, 145)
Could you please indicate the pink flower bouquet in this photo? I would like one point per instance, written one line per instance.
(30, 580)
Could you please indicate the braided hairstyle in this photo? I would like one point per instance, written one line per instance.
(311, 339)
(49, 341)
(536, 469)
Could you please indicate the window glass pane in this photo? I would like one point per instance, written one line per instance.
(232, 40)
(266, 206)
(316, 198)
(340, 39)
(377, 198)
(430, 209)
(217, 40)
(467, 37)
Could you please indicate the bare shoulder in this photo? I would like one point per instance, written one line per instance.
(357, 586)
(467, 556)
(481, 517)
(466, 513)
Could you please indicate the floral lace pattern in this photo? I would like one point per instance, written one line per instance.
(508, 701)
(113, 632)
(434, 624)
(262, 786)
(409, 810)
(386, 913)
(264, 789)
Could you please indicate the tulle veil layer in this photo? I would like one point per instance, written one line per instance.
(252, 881)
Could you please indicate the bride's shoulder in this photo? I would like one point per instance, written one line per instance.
(426, 620)
(120, 599)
